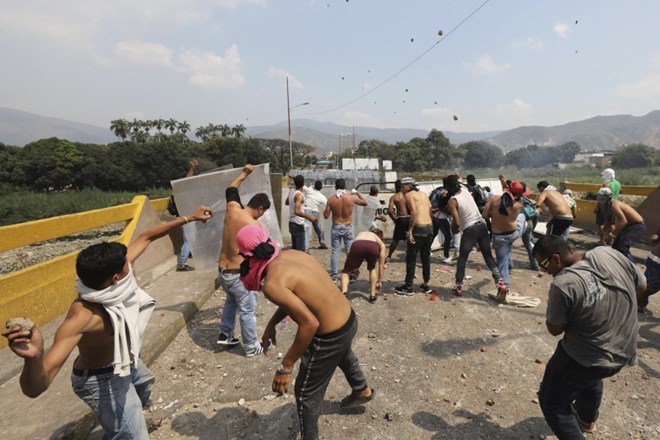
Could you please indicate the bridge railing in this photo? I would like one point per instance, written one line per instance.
(46, 290)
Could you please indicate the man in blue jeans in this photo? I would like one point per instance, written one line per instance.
(106, 323)
(238, 297)
(592, 300)
(503, 211)
(341, 206)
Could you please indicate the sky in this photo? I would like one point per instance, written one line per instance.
(499, 64)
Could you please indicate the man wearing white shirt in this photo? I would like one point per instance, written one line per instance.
(314, 203)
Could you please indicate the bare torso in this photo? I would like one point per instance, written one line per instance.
(96, 345)
(420, 207)
(502, 223)
(399, 202)
(299, 273)
(623, 211)
(342, 208)
(235, 219)
(555, 202)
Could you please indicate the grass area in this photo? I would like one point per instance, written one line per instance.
(18, 206)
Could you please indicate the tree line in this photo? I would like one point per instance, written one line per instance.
(151, 158)
(156, 130)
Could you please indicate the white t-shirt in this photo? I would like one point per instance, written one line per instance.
(314, 200)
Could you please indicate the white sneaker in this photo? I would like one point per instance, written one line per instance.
(448, 260)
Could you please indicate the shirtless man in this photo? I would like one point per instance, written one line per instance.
(628, 223)
(302, 289)
(503, 212)
(398, 212)
(108, 374)
(561, 217)
(368, 246)
(419, 234)
(341, 206)
(238, 298)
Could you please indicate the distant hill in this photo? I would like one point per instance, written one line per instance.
(325, 135)
(599, 133)
(19, 128)
(595, 134)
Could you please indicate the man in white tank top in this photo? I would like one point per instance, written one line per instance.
(466, 218)
(297, 216)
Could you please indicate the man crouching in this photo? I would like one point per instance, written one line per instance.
(302, 289)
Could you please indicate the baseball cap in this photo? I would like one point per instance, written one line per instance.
(519, 188)
(408, 181)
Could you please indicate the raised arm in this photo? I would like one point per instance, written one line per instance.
(247, 169)
(140, 244)
(193, 166)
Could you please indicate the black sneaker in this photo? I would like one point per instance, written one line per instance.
(404, 290)
(424, 288)
(322, 246)
(227, 340)
(184, 268)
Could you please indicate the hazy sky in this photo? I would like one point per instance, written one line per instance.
(499, 64)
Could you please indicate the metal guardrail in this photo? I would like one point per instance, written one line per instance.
(45, 290)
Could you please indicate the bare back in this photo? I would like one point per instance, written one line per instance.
(420, 208)
(502, 223)
(235, 218)
(623, 211)
(399, 202)
(342, 208)
(301, 275)
(555, 202)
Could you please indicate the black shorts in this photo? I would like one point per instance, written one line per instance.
(400, 228)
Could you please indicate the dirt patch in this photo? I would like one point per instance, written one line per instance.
(443, 368)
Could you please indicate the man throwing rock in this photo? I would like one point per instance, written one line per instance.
(592, 301)
(238, 298)
(302, 289)
(341, 206)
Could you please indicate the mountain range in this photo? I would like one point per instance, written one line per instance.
(599, 133)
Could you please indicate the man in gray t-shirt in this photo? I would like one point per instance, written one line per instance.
(592, 300)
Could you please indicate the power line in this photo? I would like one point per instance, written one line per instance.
(407, 65)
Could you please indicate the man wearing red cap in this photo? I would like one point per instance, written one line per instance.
(303, 290)
(503, 212)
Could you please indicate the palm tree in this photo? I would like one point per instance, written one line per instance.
(171, 124)
(238, 130)
(225, 130)
(202, 133)
(120, 128)
(184, 127)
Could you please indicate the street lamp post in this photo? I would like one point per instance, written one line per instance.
(288, 113)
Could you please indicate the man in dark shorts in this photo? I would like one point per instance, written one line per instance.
(368, 246)
(400, 215)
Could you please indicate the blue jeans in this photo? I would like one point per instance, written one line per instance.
(527, 239)
(475, 234)
(338, 234)
(297, 236)
(566, 381)
(117, 401)
(502, 245)
(317, 228)
(185, 251)
(243, 300)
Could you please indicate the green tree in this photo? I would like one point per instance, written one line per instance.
(50, 164)
(635, 156)
(120, 128)
(480, 154)
(238, 130)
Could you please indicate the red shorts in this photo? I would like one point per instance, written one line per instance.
(360, 251)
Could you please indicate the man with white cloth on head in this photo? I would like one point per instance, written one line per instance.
(106, 322)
